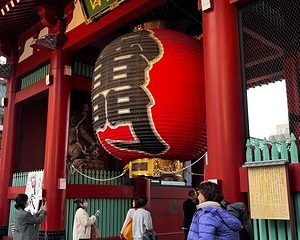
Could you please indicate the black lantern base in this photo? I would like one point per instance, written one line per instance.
(52, 235)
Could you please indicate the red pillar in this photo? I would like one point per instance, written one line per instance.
(8, 149)
(142, 188)
(224, 104)
(56, 147)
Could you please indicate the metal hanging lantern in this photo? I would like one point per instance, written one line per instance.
(148, 96)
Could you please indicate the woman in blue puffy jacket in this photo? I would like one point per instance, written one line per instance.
(211, 221)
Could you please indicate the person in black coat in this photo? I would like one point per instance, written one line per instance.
(189, 208)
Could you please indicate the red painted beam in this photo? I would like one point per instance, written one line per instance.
(273, 75)
(264, 41)
(14, 191)
(85, 190)
(32, 62)
(259, 60)
(107, 191)
(81, 83)
(108, 23)
(169, 192)
(31, 91)
(98, 191)
(240, 2)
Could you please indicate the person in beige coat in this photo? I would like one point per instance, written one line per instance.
(82, 221)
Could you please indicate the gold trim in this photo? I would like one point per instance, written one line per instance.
(155, 168)
(102, 12)
(152, 25)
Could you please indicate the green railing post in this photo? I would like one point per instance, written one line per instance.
(261, 223)
(249, 154)
(295, 159)
(281, 226)
(293, 150)
(249, 158)
(274, 150)
(271, 223)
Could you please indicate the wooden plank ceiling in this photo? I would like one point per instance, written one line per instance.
(17, 15)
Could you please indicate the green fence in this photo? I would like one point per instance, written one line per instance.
(113, 211)
(76, 178)
(19, 179)
(79, 68)
(112, 214)
(282, 149)
(34, 76)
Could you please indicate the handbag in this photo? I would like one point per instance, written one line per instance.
(127, 233)
(150, 235)
(95, 233)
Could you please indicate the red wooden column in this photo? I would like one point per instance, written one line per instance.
(8, 149)
(223, 90)
(142, 188)
(56, 147)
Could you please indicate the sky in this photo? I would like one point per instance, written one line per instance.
(267, 107)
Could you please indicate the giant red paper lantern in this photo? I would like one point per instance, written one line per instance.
(148, 96)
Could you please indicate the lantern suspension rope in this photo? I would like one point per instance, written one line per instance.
(77, 132)
(196, 174)
(101, 179)
(180, 170)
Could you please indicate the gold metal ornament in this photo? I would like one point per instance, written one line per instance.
(156, 168)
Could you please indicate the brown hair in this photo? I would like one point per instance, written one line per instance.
(210, 191)
(79, 202)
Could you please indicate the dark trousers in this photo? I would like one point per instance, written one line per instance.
(186, 232)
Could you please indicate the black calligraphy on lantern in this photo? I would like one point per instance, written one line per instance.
(120, 94)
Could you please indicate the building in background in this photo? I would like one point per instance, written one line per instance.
(282, 130)
(2, 95)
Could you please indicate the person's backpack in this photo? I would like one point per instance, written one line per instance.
(239, 210)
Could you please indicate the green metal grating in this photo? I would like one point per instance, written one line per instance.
(19, 179)
(112, 215)
(82, 69)
(12, 212)
(76, 178)
(34, 76)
